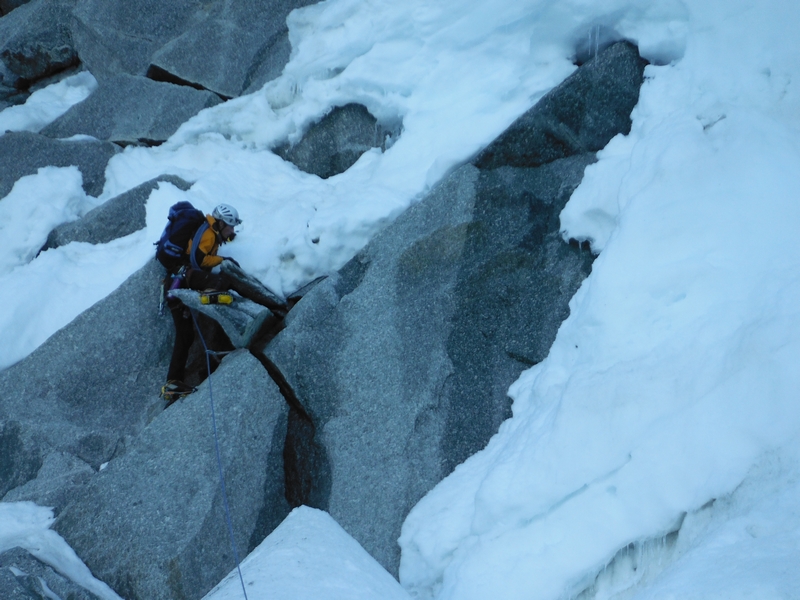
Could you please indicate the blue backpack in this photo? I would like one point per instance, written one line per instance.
(185, 223)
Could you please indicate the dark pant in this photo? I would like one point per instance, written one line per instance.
(197, 279)
(184, 336)
(205, 280)
(184, 324)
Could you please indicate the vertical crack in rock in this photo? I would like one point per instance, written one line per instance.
(268, 519)
(306, 465)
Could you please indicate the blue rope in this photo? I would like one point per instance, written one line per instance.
(219, 457)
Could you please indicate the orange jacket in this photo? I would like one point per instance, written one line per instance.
(207, 248)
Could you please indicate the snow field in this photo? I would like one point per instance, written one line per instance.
(675, 371)
(47, 104)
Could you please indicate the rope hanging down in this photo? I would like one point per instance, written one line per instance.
(208, 353)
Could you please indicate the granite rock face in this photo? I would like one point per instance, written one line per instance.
(387, 374)
(402, 360)
(126, 109)
(152, 524)
(24, 577)
(20, 460)
(581, 115)
(24, 153)
(334, 144)
(115, 218)
(117, 36)
(36, 41)
(237, 48)
(226, 47)
(95, 383)
(58, 478)
(9, 94)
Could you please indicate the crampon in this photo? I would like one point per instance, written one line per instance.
(175, 390)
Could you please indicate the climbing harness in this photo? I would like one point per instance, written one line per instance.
(176, 281)
(175, 390)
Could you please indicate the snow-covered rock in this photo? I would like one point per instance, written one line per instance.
(334, 144)
(126, 109)
(405, 356)
(115, 218)
(309, 557)
(674, 373)
(581, 115)
(24, 153)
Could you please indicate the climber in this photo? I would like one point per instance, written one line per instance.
(192, 268)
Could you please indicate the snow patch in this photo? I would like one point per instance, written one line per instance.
(46, 105)
(27, 526)
(308, 557)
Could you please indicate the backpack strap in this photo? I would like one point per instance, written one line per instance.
(196, 244)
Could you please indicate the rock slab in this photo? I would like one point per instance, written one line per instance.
(24, 153)
(581, 115)
(402, 360)
(153, 523)
(24, 577)
(126, 109)
(118, 36)
(229, 48)
(58, 477)
(95, 383)
(36, 41)
(115, 218)
(335, 143)
(238, 47)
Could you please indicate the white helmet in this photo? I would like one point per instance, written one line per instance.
(227, 214)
